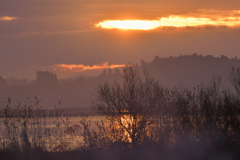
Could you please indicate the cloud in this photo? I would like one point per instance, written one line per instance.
(201, 18)
(81, 67)
(7, 18)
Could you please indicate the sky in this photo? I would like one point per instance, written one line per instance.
(67, 37)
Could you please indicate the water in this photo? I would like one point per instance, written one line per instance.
(51, 133)
(68, 133)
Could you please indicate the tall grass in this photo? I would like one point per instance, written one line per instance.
(29, 129)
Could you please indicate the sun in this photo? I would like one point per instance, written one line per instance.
(129, 24)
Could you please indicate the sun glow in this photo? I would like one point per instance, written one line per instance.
(129, 24)
(173, 21)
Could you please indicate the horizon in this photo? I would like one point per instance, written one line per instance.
(68, 71)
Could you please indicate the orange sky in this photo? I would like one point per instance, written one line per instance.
(41, 33)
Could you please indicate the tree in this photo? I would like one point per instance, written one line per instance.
(130, 105)
(45, 78)
(234, 77)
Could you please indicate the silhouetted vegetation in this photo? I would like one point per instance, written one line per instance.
(144, 120)
(157, 115)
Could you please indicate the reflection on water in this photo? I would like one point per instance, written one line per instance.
(131, 127)
(53, 133)
(127, 122)
(67, 133)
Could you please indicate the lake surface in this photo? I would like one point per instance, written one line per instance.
(52, 133)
